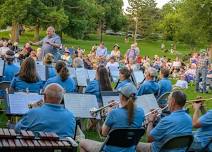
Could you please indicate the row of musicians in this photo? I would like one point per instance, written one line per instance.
(27, 78)
(53, 117)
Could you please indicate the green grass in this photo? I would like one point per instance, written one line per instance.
(148, 48)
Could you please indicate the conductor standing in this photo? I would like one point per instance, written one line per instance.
(49, 44)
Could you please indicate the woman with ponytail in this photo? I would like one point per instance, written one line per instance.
(126, 116)
(62, 78)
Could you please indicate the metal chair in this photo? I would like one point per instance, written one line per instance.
(129, 137)
(162, 100)
(177, 142)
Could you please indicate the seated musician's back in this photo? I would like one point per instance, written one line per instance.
(203, 135)
(51, 117)
(149, 86)
(177, 123)
(63, 78)
(27, 78)
(48, 60)
(127, 116)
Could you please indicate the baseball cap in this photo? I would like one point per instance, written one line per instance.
(128, 90)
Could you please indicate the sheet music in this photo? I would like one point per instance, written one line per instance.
(18, 102)
(72, 72)
(107, 99)
(39, 62)
(1, 67)
(82, 76)
(139, 76)
(147, 102)
(80, 104)
(114, 72)
(41, 70)
(91, 74)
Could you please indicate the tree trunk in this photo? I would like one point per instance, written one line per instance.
(15, 32)
(37, 31)
(210, 52)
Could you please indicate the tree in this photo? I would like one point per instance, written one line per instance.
(13, 12)
(146, 13)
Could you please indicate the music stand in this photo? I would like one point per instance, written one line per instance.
(42, 71)
(17, 103)
(108, 96)
(81, 104)
(82, 77)
(147, 102)
(114, 74)
(2, 65)
(138, 77)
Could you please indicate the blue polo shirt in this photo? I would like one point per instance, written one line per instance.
(177, 123)
(165, 86)
(10, 70)
(49, 118)
(204, 134)
(51, 72)
(148, 87)
(68, 85)
(123, 83)
(19, 85)
(118, 118)
(94, 88)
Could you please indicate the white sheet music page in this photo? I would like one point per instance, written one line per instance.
(18, 102)
(41, 70)
(72, 72)
(91, 74)
(147, 102)
(139, 76)
(80, 104)
(1, 67)
(82, 76)
(107, 99)
(114, 72)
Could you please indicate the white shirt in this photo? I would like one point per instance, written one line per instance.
(182, 84)
(114, 65)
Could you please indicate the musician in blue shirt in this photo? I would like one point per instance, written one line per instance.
(124, 78)
(10, 69)
(51, 116)
(101, 83)
(48, 60)
(164, 84)
(203, 135)
(127, 116)
(177, 123)
(27, 78)
(149, 86)
(62, 78)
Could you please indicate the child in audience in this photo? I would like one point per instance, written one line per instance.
(67, 57)
(112, 64)
(182, 83)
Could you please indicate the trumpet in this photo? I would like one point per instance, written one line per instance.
(159, 110)
(94, 111)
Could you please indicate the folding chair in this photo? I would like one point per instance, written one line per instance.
(162, 100)
(129, 137)
(3, 86)
(177, 142)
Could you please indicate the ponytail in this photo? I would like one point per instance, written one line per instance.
(64, 73)
(130, 108)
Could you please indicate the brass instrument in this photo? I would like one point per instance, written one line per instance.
(198, 100)
(94, 111)
(36, 104)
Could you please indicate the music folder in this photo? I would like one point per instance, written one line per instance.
(42, 71)
(138, 76)
(81, 104)
(82, 77)
(18, 102)
(1, 67)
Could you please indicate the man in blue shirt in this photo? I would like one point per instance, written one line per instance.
(101, 51)
(177, 123)
(51, 117)
(203, 135)
(149, 86)
(50, 44)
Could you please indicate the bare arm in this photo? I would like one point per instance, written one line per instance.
(196, 115)
(105, 130)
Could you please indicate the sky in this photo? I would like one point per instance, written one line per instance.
(160, 3)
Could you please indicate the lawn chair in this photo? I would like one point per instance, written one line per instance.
(177, 142)
(162, 100)
(129, 137)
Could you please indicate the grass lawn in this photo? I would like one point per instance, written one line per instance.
(148, 48)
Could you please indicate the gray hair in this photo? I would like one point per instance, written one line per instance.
(152, 72)
(55, 91)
